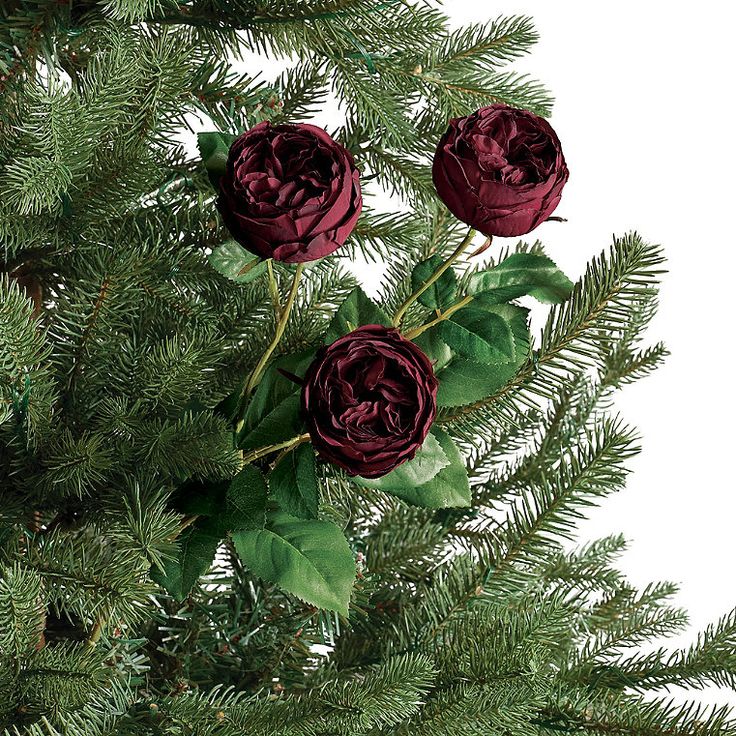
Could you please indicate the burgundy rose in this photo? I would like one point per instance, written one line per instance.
(289, 192)
(500, 170)
(369, 400)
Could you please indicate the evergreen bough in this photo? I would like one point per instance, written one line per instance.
(118, 340)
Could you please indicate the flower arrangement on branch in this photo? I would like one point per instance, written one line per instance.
(239, 495)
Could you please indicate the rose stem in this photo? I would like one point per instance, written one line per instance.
(440, 318)
(249, 266)
(96, 632)
(455, 255)
(268, 449)
(283, 318)
(274, 289)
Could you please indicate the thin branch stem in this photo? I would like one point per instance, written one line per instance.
(283, 318)
(440, 318)
(96, 632)
(433, 278)
(260, 452)
(273, 288)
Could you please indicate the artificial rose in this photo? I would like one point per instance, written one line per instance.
(289, 192)
(369, 400)
(500, 170)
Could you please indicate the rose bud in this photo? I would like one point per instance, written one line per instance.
(500, 170)
(289, 192)
(369, 400)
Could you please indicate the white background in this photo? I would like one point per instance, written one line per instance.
(644, 109)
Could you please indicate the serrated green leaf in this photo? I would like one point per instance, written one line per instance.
(245, 501)
(355, 311)
(236, 263)
(520, 274)
(282, 423)
(307, 558)
(435, 348)
(463, 381)
(424, 466)
(293, 483)
(197, 549)
(274, 387)
(442, 293)
(275, 400)
(213, 149)
(237, 503)
(449, 488)
(479, 335)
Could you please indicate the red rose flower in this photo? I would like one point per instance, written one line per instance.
(369, 400)
(500, 170)
(289, 192)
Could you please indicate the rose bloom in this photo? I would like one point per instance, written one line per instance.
(369, 400)
(500, 170)
(289, 192)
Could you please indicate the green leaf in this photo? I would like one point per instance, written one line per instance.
(282, 423)
(245, 501)
(424, 466)
(435, 348)
(293, 483)
(449, 488)
(214, 148)
(307, 558)
(276, 399)
(236, 263)
(355, 311)
(274, 387)
(463, 381)
(480, 335)
(441, 294)
(520, 274)
(224, 506)
(197, 549)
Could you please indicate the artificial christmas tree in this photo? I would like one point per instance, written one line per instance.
(237, 495)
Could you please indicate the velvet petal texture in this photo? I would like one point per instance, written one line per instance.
(500, 170)
(289, 192)
(369, 400)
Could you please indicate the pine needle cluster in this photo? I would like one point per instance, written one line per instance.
(118, 340)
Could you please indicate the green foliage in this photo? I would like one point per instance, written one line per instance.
(27, 390)
(441, 294)
(355, 311)
(520, 274)
(128, 330)
(213, 149)
(293, 483)
(435, 478)
(196, 551)
(310, 559)
(236, 263)
(479, 335)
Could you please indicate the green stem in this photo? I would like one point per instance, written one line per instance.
(260, 452)
(431, 280)
(441, 318)
(273, 288)
(96, 632)
(283, 318)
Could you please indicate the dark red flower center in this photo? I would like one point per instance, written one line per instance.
(510, 149)
(285, 170)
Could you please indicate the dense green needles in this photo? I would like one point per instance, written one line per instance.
(118, 341)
